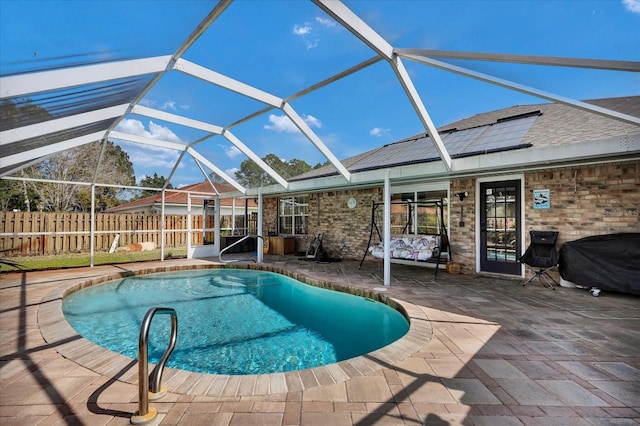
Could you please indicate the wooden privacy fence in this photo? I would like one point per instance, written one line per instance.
(35, 233)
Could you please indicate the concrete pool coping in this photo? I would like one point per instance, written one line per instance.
(55, 328)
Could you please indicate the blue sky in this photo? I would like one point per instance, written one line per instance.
(283, 47)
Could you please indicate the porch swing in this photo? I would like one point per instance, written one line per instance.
(412, 248)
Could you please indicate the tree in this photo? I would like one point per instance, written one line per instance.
(20, 113)
(57, 196)
(115, 168)
(251, 175)
(15, 195)
(297, 167)
(75, 165)
(79, 165)
(154, 181)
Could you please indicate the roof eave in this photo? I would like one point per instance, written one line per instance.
(617, 148)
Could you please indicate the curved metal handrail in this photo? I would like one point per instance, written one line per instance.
(234, 244)
(145, 414)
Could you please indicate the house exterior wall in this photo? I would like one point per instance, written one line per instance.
(269, 215)
(345, 231)
(585, 201)
(462, 239)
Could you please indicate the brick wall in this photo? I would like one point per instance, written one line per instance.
(587, 200)
(269, 215)
(462, 238)
(342, 227)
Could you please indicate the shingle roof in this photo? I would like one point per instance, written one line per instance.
(516, 127)
(180, 198)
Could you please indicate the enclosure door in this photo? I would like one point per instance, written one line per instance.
(209, 222)
(500, 227)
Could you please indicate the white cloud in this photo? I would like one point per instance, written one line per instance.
(305, 32)
(132, 127)
(156, 131)
(282, 123)
(377, 132)
(312, 121)
(632, 5)
(169, 105)
(146, 156)
(232, 172)
(230, 151)
(325, 22)
(302, 30)
(147, 102)
(150, 157)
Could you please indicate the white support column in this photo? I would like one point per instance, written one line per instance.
(189, 251)
(216, 225)
(260, 240)
(387, 229)
(92, 244)
(162, 227)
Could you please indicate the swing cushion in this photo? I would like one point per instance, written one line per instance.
(409, 247)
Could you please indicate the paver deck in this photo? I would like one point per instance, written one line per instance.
(480, 351)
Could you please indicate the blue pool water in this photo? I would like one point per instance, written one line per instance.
(233, 321)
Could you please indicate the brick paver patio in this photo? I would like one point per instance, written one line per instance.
(481, 351)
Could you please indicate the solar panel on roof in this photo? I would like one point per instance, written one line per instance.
(502, 135)
(457, 141)
(399, 153)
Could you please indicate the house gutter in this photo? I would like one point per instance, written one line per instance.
(606, 150)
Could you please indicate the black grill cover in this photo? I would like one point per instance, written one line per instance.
(609, 262)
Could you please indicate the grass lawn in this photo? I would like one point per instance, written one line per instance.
(83, 259)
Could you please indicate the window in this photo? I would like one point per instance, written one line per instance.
(293, 215)
(416, 218)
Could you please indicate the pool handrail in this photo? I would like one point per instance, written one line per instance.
(149, 386)
(236, 243)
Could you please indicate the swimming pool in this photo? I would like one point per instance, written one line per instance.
(234, 321)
